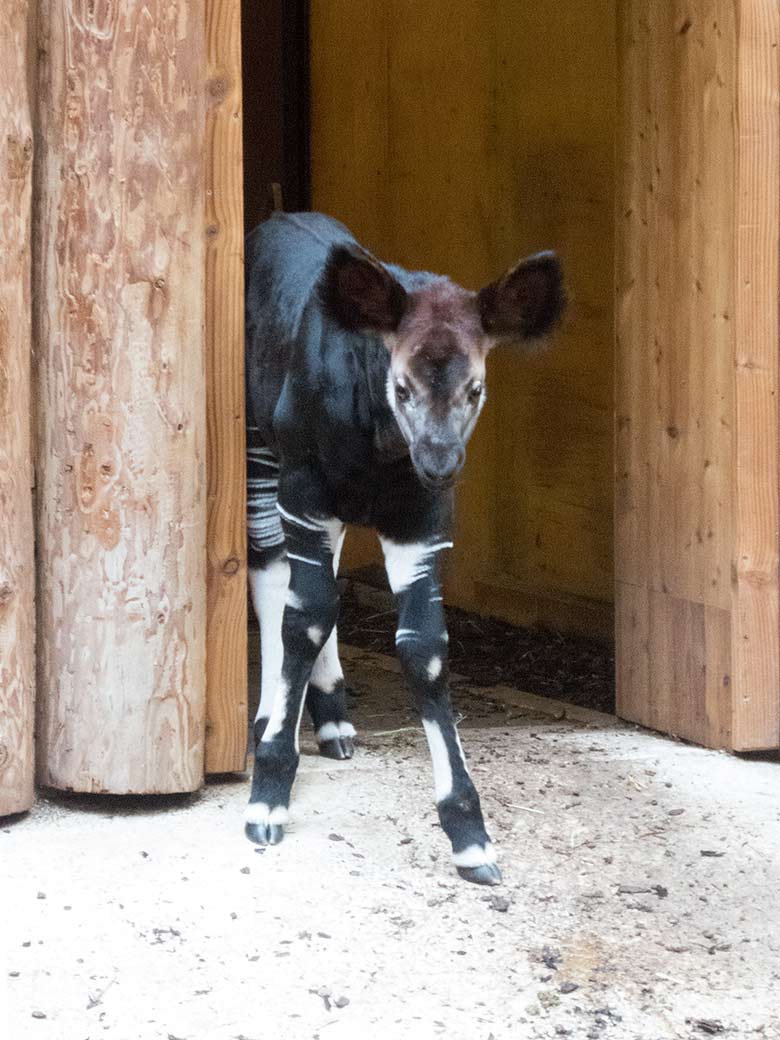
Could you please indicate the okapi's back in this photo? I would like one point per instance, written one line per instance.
(285, 257)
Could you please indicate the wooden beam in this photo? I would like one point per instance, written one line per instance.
(698, 236)
(119, 311)
(17, 575)
(226, 684)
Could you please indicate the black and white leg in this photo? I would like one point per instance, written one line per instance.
(308, 618)
(326, 699)
(269, 582)
(421, 642)
(269, 572)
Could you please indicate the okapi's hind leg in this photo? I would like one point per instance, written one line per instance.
(309, 614)
(269, 571)
(326, 698)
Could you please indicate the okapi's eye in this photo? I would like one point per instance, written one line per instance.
(402, 395)
(475, 393)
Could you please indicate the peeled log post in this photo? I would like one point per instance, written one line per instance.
(119, 282)
(17, 574)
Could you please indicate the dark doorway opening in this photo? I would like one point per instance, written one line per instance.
(275, 60)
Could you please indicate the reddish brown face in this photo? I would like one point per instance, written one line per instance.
(438, 336)
(436, 380)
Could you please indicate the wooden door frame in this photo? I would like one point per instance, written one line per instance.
(226, 628)
(697, 452)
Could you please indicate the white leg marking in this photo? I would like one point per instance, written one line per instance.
(331, 528)
(293, 600)
(334, 535)
(406, 564)
(314, 632)
(327, 668)
(328, 731)
(278, 712)
(269, 587)
(404, 633)
(474, 856)
(298, 722)
(337, 550)
(303, 559)
(434, 668)
(460, 749)
(442, 770)
(333, 730)
(308, 524)
(260, 813)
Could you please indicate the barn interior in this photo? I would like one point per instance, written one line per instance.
(460, 151)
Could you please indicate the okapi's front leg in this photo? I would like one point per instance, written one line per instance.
(309, 616)
(421, 642)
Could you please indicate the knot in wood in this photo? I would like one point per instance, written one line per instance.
(217, 89)
(4, 755)
(231, 565)
(6, 593)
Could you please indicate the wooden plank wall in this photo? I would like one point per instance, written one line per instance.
(119, 335)
(226, 641)
(459, 151)
(698, 233)
(17, 567)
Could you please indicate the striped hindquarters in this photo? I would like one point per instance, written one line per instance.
(264, 525)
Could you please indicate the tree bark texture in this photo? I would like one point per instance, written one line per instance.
(119, 312)
(17, 575)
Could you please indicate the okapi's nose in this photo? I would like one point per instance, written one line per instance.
(438, 463)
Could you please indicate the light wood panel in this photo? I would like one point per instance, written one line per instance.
(119, 300)
(226, 658)
(698, 232)
(457, 138)
(17, 571)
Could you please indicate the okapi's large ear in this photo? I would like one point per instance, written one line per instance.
(526, 302)
(360, 293)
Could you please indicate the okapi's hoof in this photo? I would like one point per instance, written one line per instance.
(264, 826)
(485, 874)
(338, 747)
(264, 833)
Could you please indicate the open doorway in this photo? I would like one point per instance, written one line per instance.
(275, 61)
(460, 151)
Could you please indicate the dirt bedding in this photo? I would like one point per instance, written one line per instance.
(488, 652)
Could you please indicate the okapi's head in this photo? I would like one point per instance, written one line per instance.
(438, 336)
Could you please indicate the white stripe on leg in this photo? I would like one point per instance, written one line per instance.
(327, 668)
(442, 769)
(269, 592)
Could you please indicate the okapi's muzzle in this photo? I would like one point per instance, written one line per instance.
(438, 463)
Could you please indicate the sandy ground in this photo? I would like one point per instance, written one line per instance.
(641, 895)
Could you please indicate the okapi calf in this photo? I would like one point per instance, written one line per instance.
(364, 384)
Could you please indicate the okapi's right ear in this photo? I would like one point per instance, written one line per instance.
(360, 293)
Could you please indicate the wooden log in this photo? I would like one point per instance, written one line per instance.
(119, 312)
(17, 575)
(698, 456)
(226, 661)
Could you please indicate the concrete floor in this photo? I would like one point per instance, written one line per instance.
(641, 895)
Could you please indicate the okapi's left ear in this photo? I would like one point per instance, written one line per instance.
(360, 293)
(526, 302)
